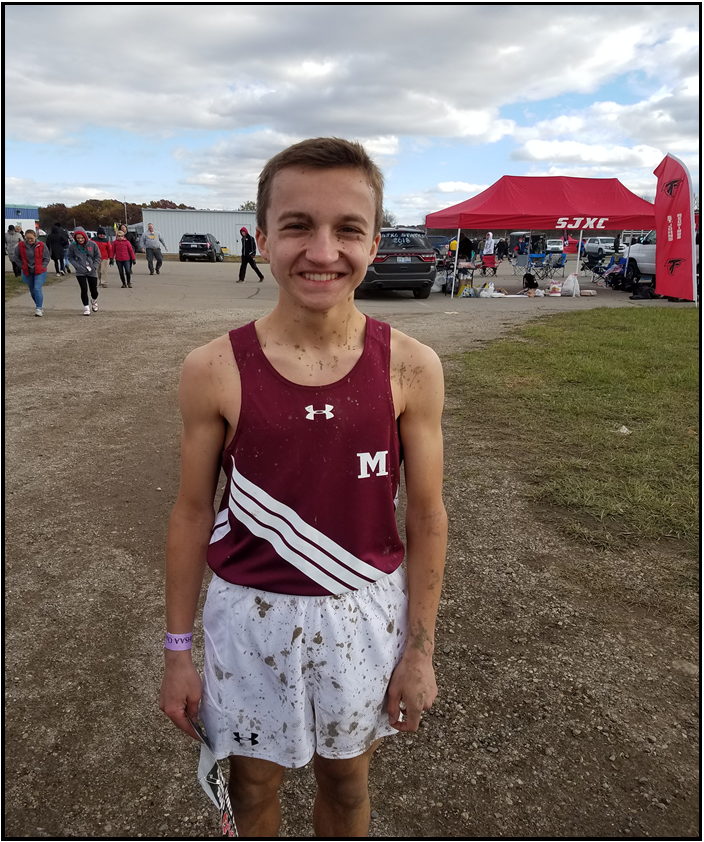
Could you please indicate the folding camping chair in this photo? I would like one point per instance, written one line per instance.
(522, 264)
(558, 264)
(488, 262)
(589, 264)
(540, 270)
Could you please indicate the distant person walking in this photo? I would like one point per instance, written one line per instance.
(123, 253)
(12, 239)
(56, 242)
(84, 255)
(150, 243)
(106, 253)
(131, 237)
(33, 258)
(249, 252)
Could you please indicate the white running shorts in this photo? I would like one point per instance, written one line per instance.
(286, 676)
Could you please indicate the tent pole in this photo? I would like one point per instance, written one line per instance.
(454, 273)
(579, 250)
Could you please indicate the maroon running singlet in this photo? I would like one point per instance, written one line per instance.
(312, 477)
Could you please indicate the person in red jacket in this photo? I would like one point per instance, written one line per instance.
(123, 253)
(105, 252)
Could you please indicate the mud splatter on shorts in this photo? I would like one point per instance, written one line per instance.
(286, 676)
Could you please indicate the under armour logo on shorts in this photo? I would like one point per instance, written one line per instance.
(327, 412)
(252, 740)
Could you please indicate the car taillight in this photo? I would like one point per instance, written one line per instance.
(427, 257)
(380, 258)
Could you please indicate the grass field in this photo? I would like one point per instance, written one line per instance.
(564, 387)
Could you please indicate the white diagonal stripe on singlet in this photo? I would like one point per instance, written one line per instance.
(312, 540)
(222, 522)
(285, 552)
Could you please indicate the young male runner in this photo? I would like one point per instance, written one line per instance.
(316, 645)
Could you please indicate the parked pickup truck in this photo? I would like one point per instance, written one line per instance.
(641, 257)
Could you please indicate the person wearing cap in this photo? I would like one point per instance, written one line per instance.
(249, 252)
(105, 252)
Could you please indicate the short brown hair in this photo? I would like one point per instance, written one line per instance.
(321, 153)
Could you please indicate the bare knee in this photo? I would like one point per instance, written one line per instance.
(254, 781)
(344, 782)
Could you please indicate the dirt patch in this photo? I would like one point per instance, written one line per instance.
(561, 713)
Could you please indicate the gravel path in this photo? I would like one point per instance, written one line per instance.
(559, 715)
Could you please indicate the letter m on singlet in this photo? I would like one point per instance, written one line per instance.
(375, 464)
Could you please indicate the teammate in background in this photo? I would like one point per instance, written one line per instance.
(249, 252)
(150, 241)
(318, 643)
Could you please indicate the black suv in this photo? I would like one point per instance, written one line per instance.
(200, 247)
(405, 260)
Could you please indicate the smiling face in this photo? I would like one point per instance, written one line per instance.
(320, 234)
(30, 237)
(80, 239)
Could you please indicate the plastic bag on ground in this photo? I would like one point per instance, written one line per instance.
(570, 286)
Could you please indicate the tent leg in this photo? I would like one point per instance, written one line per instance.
(454, 271)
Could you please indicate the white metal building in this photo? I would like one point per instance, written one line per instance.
(225, 225)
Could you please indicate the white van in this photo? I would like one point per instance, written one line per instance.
(641, 257)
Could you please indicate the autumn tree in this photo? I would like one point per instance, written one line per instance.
(249, 205)
(95, 213)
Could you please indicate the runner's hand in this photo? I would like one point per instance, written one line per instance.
(181, 690)
(412, 686)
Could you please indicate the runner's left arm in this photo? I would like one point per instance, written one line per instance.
(413, 681)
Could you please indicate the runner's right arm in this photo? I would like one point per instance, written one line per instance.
(190, 528)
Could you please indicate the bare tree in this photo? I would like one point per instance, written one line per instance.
(388, 220)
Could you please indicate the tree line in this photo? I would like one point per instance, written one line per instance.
(95, 213)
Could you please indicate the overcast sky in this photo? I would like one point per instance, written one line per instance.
(187, 102)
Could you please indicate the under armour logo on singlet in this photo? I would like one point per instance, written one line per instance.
(327, 412)
(252, 740)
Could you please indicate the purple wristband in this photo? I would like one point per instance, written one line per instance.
(178, 642)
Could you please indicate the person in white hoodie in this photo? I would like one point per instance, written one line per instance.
(488, 244)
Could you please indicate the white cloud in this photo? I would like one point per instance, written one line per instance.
(460, 187)
(399, 78)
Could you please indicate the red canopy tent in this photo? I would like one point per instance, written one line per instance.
(551, 203)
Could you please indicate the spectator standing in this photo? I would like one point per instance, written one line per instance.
(617, 247)
(522, 246)
(501, 249)
(488, 245)
(131, 237)
(33, 258)
(249, 253)
(85, 258)
(150, 243)
(56, 242)
(123, 253)
(12, 239)
(106, 253)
